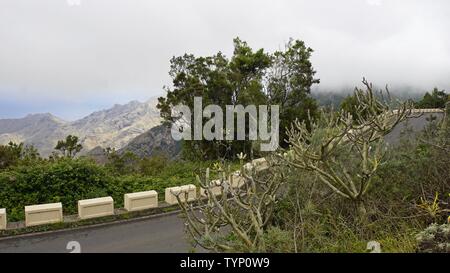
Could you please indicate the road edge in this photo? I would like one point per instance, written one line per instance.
(93, 226)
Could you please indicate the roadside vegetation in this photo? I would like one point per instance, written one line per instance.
(328, 194)
(333, 186)
(30, 180)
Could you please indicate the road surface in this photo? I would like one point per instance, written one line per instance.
(160, 234)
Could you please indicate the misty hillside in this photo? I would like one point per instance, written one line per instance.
(334, 98)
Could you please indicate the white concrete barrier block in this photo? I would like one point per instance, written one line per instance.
(215, 187)
(141, 200)
(191, 190)
(248, 167)
(43, 214)
(260, 164)
(2, 219)
(171, 193)
(236, 180)
(97, 207)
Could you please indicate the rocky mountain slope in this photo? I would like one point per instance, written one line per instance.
(157, 140)
(113, 127)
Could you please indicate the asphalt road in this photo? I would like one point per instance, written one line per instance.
(160, 234)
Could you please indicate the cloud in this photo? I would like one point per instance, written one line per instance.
(110, 51)
(374, 2)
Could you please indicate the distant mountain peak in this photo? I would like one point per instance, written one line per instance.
(113, 127)
(39, 115)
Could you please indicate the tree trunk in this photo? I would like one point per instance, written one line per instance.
(362, 212)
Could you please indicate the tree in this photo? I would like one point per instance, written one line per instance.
(14, 154)
(289, 85)
(121, 163)
(327, 149)
(237, 219)
(351, 105)
(69, 147)
(153, 165)
(248, 78)
(437, 99)
(29, 153)
(10, 154)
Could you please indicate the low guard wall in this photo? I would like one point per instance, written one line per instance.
(43, 214)
(260, 164)
(141, 200)
(97, 207)
(2, 219)
(171, 193)
(236, 180)
(215, 188)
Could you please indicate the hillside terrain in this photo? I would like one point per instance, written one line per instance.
(113, 127)
(156, 141)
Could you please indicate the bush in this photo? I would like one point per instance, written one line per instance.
(407, 194)
(278, 240)
(64, 181)
(435, 239)
(68, 180)
(153, 165)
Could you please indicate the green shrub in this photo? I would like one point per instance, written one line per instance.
(68, 180)
(65, 181)
(434, 239)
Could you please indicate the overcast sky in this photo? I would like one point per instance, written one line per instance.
(68, 59)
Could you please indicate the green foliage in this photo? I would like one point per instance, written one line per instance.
(406, 195)
(330, 100)
(153, 165)
(279, 241)
(9, 155)
(289, 85)
(319, 221)
(434, 239)
(409, 192)
(436, 99)
(419, 174)
(351, 105)
(29, 154)
(14, 154)
(249, 77)
(69, 147)
(68, 180)
(65, 181)
(122, 164)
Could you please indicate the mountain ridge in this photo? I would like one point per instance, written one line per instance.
(155, 141)
(113, 127)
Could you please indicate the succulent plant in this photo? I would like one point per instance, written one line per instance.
(434, 239)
